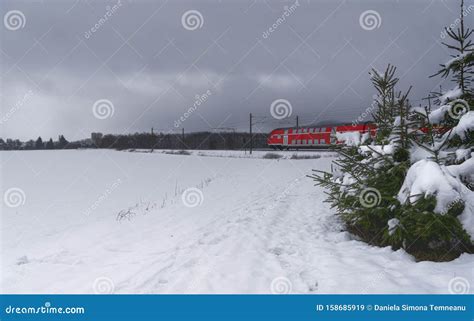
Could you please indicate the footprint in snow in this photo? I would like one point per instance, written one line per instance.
(276, 251)
(217, 240)
(244, 220)
(22, 260)
(310, 281)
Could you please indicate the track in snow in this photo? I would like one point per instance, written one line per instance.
(262, 227)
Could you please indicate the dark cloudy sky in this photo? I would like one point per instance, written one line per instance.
(150, 63)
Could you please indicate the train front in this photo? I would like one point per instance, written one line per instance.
(275, 138)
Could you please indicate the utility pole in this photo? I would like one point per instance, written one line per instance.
(429, 101)
(182, 137)
(297, 126)
(152, 140)
(250, 119)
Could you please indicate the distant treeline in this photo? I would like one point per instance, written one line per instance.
(197, 140)
(16, 144)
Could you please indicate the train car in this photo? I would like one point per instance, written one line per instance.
(316, 137)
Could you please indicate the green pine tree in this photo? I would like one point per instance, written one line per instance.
(459, 100)
(39, 143)
(366, 177)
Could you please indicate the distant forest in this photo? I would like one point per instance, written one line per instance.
(197, 140)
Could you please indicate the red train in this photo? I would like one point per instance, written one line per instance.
(312, 137)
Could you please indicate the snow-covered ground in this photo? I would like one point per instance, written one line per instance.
(86, 221)
(265, 154)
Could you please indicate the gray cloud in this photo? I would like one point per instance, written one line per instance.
(151, 68)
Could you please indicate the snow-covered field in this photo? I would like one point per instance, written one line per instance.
(104, 221)
(265, 154)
